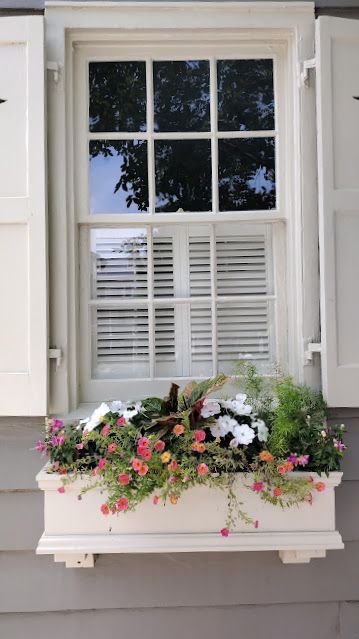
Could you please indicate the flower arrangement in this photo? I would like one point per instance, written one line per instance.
(159, 448)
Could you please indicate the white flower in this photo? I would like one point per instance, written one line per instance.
(128, 413)
(210, 407)
(243, 434)
(238, 405)
(116, 406)
(262, 430)
(96, 417)
(223, 426)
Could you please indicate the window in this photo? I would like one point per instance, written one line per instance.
(178, 203)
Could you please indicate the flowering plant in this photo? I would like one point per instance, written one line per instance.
(161, 447)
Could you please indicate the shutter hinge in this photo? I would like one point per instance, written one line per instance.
(56, 68)
(304, 71)
(311, 348)
(56, 354)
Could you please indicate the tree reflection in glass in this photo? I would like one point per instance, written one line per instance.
(117, 96)
(183, 175)
(246, 175)
(181, 95)
(245, 95)
(118, 176)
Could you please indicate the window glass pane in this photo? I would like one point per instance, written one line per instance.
(245, 95)
(244, 330)
(120, 342)
(246, 174)
(181, 95)
(118, 263)
(201, 340)
(117, 96)
(241, 258)
(118, 176)
(183, 175)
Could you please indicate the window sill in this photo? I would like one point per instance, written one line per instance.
(76, 531)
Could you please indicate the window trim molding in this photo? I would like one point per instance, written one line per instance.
(66, 26)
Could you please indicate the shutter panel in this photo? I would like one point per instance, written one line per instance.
(23, 317)
(338, 169)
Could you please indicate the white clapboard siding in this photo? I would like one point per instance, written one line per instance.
(23, 263)
(337, 51)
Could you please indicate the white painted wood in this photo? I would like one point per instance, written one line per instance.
(77, 527)
(281, 30)
(338, 169)
(23, 263)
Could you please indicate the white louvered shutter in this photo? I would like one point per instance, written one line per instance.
(188, 265)
(23, 266)
(338, 167)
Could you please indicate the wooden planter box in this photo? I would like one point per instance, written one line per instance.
(76, 530)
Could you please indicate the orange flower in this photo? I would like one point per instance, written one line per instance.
(266, 456)
(143, 470)
(320, 486)
(281, 469)
(277, 492)
(198, 447)
(288, 466)
(178, 429)
(165, 457)
(173, 499)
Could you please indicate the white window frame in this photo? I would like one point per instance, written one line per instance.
(283, 30)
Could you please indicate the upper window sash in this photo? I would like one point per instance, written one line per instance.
(85, 55)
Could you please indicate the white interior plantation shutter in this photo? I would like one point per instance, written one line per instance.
(23, 325)
(338, 159)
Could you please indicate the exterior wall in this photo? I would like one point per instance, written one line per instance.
(234, 595)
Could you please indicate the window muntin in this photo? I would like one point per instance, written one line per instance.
(204, 331)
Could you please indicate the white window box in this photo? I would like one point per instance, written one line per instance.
(76, 530)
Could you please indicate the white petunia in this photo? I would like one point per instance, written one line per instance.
(96, 417)
(243, 434)
(238, 405)
(210, 407)
(223, 425)
(116, 406)
(128, 413)
(262, 430)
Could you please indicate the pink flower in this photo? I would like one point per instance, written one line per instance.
(56, 424)
(145, 453)
(102, 463)
(186, 478)
(173, 465)
(159, 445)
(199, 435)
(202, 469)
(41, 446)
(225, 532)
(136, 464)
(124, 479)
(339, 445)
(121, 421)
(173, 479)
(143, 470)
(111, 448)
(105, 431)
(277, 492)
(155, 500)
(256, 523)
(293, 459)
(122, 503)
(79, 446)
(303, 460)
(310, 498)
(61, 489)
(257, 486)
(105, 509)
(143, 442)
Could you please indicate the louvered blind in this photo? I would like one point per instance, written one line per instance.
(180, 330)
